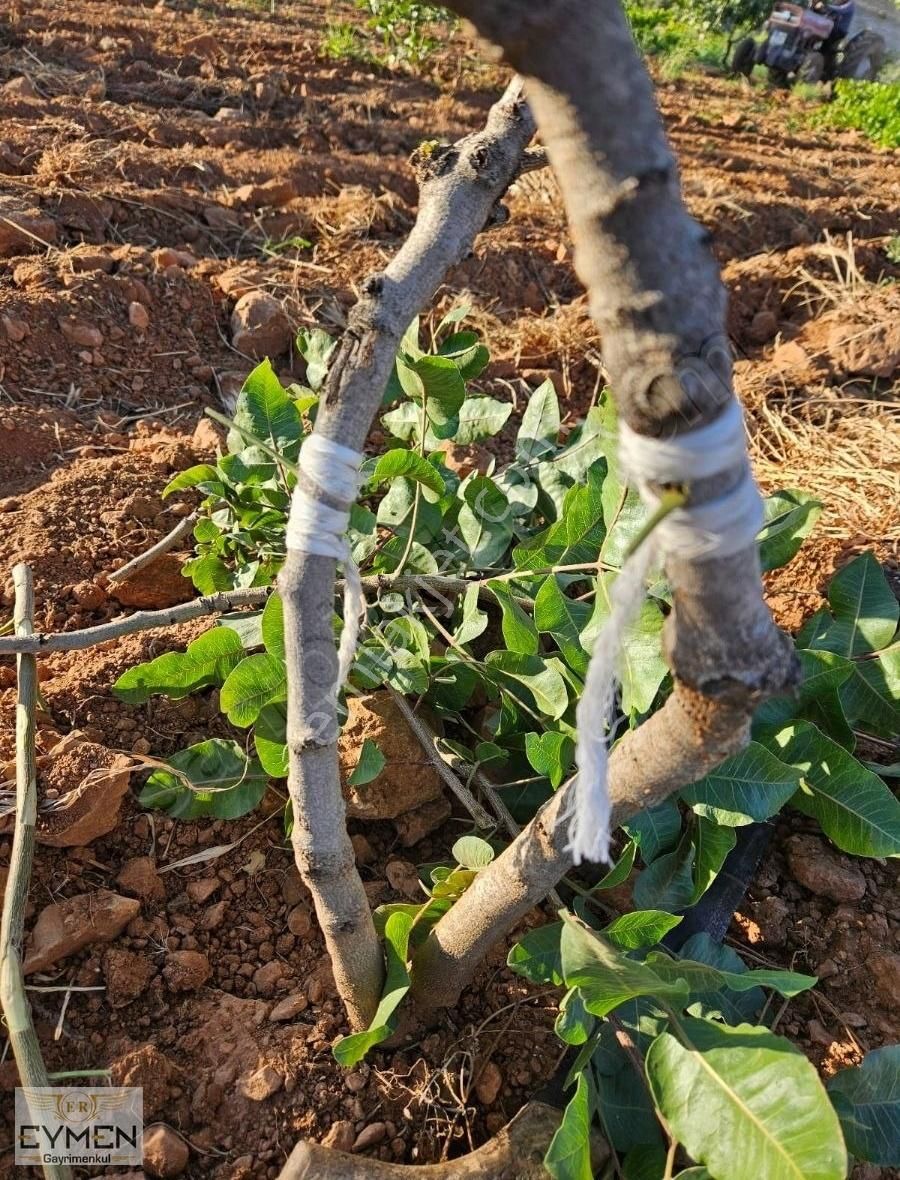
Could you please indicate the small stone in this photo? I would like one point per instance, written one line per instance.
(487, 1088)
(206, 437)
(818, 1033)
(340, 1136)
(885, 969)
(185, 971)
(262, 1084)
(165, 1153)
(80, 333)
(89, 595)
(822, 871)
(273, 192)
(214, 916)
(139, 876)
(138, 316)
(20, 87)
(763, 327)
(127, 976)
(362, 850)
(370, 1136)
(299, 921)
(259, 325)
(404, 878)
(15, 329)
(772, 915)
(355, 1082)
(415, 825)
(289, 1007)
(201, 889)
(266, 977)
(790, 356)
(69, 926)
(853, 1019)
(827, 968)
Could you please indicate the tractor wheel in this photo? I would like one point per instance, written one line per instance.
(778, 78)
(744, 57)
(812, 68)
(862, 57)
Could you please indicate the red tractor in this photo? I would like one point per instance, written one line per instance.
(808, 44)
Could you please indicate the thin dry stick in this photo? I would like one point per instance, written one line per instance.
(210, 604)
(13, 1000)
(169, 541)
(426, 740)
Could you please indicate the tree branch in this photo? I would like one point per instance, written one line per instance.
(657, 297)
(13, 1000)
(459, 187)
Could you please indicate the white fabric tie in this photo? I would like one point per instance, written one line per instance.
(717, 528)
(319, 528)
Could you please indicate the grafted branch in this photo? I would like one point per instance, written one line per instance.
(460, 186)
(658, 299)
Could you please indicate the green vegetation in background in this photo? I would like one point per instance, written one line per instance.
(395, 32)
(870, 107)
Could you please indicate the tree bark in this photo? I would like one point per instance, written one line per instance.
(460, 186)
(657, 297)
(516, 1153)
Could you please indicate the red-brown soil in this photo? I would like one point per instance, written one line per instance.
(142, 199)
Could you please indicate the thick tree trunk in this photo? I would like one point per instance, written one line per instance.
(460, 187)
(657, 297)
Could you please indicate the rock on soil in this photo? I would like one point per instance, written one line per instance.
(139, 876)
(127, 976)
(75, 923)
(885, 969)
(261, 1084)
(822, 871)
(185, 971)
(489, 1083)
(93, 782)
(20, 225)
(340, 1136)
(408, 779)
(259, 326)
(147, 1067)
(165, 1153)
(157, 586)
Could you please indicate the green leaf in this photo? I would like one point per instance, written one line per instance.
(540, 425)
(472, 852)
(206, 661)
(208, 573)
(352, 1049)
(474, 620)
(439, 381)
(867, 1100)
(256, 681)
(702, 977)
(224, 783)
(574, 1024)
(854, 807)
(647, 1162)
(484, 521)
(480, 418)
(712, 843)
(585, 448)
(747, 788)
(623, 1101)
(550, 754)
(621, 870)
(576, 537)
(247, 625)
(606, 977)
(870, 697)
(272, 626)
(265, 410)
(316, 347)
(537, 955)
(564, 619)
(789, 519)
(668, 883)
(734, 1007)
(640, 928)
(642, 668)
(544, 683)
(270, 739)
(656, 830)
(369, 765)
(864, 608)
(745, 1103)
(569, 1154)
(405, 464)
(202, 473)
(518, 627)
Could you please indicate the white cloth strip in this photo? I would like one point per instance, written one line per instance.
(318, 528)
(716, 528)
